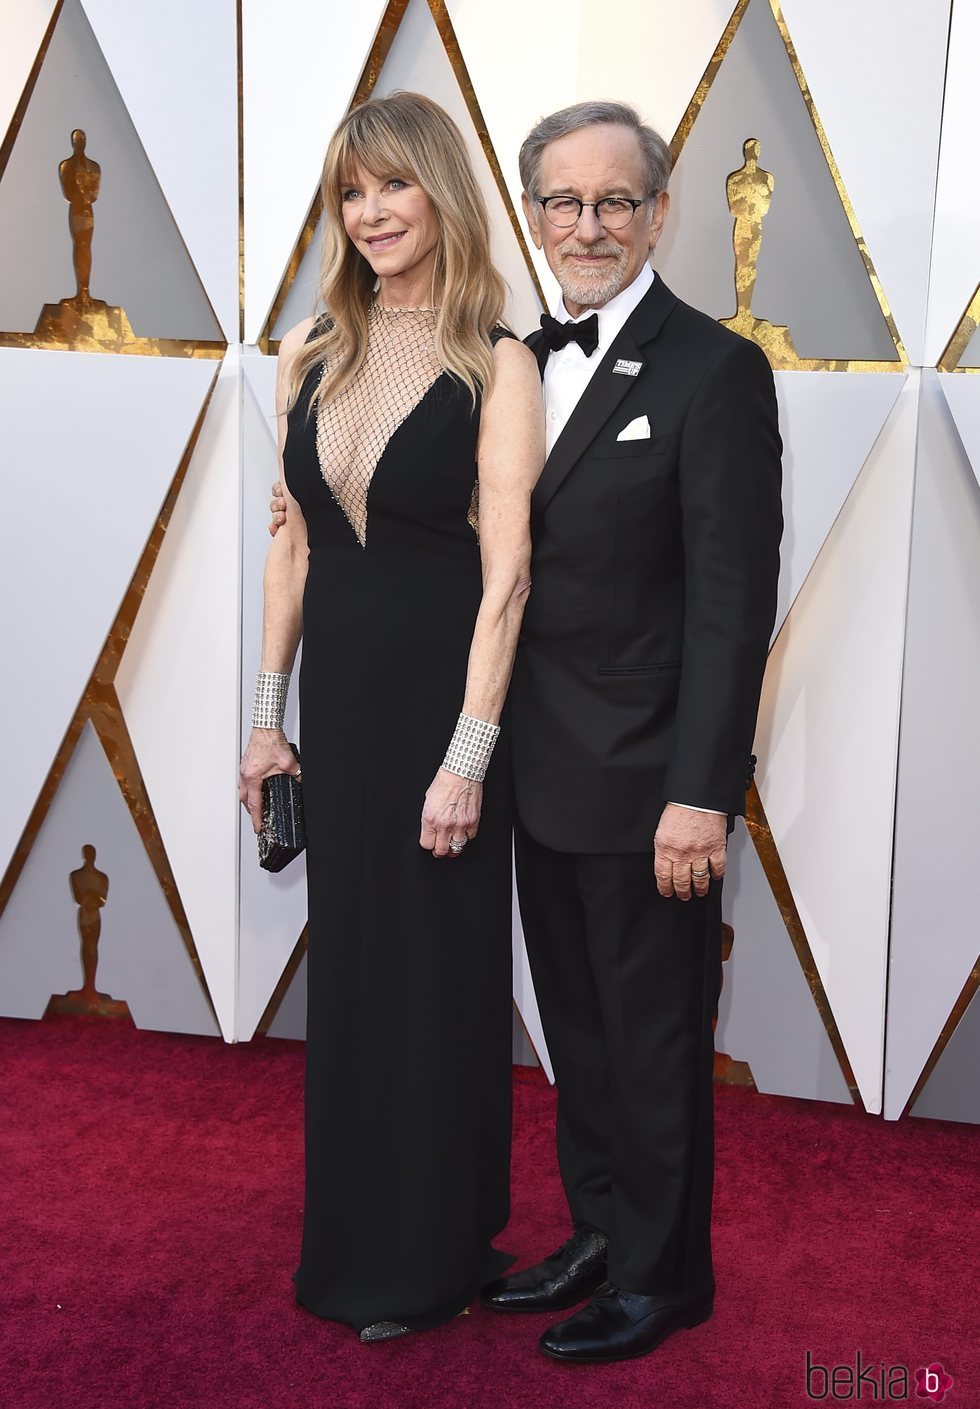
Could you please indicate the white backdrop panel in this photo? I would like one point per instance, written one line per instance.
(876, 72)
(178, 683)
(141, 956)
(935, 930)
(827, 738)
(273, 908)
(24, 24)
(828, 424)
(95, 479)
(300, 62)
(192, 143)
(955, 268)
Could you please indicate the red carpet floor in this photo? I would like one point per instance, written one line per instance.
(150, 1214)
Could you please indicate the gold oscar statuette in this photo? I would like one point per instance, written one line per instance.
(90, 888)
(749, 191)
(82, 322)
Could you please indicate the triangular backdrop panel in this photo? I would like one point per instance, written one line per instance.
(178, 685)
(932, 950)
(121, 427)
(301, 60)
(141, 956)
(767, 1015)
(827, 740)
(860, 62)
(807, 244)
(23, 32)
(272, 911)
(139, 260)
(963, 398)
(953, 1091)
(956, 237)
(829, 425)
(417, 61)
(192, 143)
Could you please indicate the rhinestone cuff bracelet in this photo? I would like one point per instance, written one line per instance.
(269, 708)
(472, 744)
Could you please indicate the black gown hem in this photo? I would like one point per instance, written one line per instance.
(495, 1264)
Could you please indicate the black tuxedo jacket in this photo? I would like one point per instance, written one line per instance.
(653, 590)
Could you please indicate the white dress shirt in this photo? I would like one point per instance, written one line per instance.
(568, 372)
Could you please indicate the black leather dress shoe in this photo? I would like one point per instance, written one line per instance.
(564, 1278)
(618, 1325)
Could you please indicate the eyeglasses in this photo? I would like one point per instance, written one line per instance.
(612, 212)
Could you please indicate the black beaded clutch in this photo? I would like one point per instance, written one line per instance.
(283, 833)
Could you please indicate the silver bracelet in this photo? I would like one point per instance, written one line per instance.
(472, 744)
(269, 709)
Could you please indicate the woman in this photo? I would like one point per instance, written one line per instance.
(408, 587)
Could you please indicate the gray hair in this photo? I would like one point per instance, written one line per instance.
(656, 154)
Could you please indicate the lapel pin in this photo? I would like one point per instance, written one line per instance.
(628, 369)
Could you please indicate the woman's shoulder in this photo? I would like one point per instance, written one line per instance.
(508, 350)
(501, 333)
(296, 338)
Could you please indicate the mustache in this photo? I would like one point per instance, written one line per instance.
(572, 248)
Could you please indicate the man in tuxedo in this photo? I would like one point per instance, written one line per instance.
(656, 527)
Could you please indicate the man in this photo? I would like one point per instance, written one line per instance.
(656, 526)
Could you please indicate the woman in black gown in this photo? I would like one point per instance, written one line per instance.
(411, 438)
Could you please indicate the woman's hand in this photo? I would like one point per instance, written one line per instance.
(267, 753)
(277, 508)
(451, 811)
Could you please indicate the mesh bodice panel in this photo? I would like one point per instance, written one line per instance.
(353, 428)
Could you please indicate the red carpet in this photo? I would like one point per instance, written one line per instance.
(150, 1193)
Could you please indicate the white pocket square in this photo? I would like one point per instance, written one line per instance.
(639, 429)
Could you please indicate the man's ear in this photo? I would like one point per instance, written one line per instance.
(660, 208)
(531, 216)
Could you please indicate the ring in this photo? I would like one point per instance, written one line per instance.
(457, 843)
(700, 875)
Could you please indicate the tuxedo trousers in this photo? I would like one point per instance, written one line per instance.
(627, 984)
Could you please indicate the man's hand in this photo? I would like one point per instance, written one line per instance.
(689, 850)
(278, 506)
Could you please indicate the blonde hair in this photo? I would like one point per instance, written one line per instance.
(405, 135)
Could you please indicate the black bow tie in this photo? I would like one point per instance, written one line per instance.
(558, 335)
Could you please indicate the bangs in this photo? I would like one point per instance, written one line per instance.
(369, 142)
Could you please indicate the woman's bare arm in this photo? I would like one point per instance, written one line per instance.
(510, 454)
(283, 583)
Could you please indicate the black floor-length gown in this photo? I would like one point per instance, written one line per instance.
(409, 1025)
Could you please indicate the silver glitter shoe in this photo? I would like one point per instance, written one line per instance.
(383, 1331)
